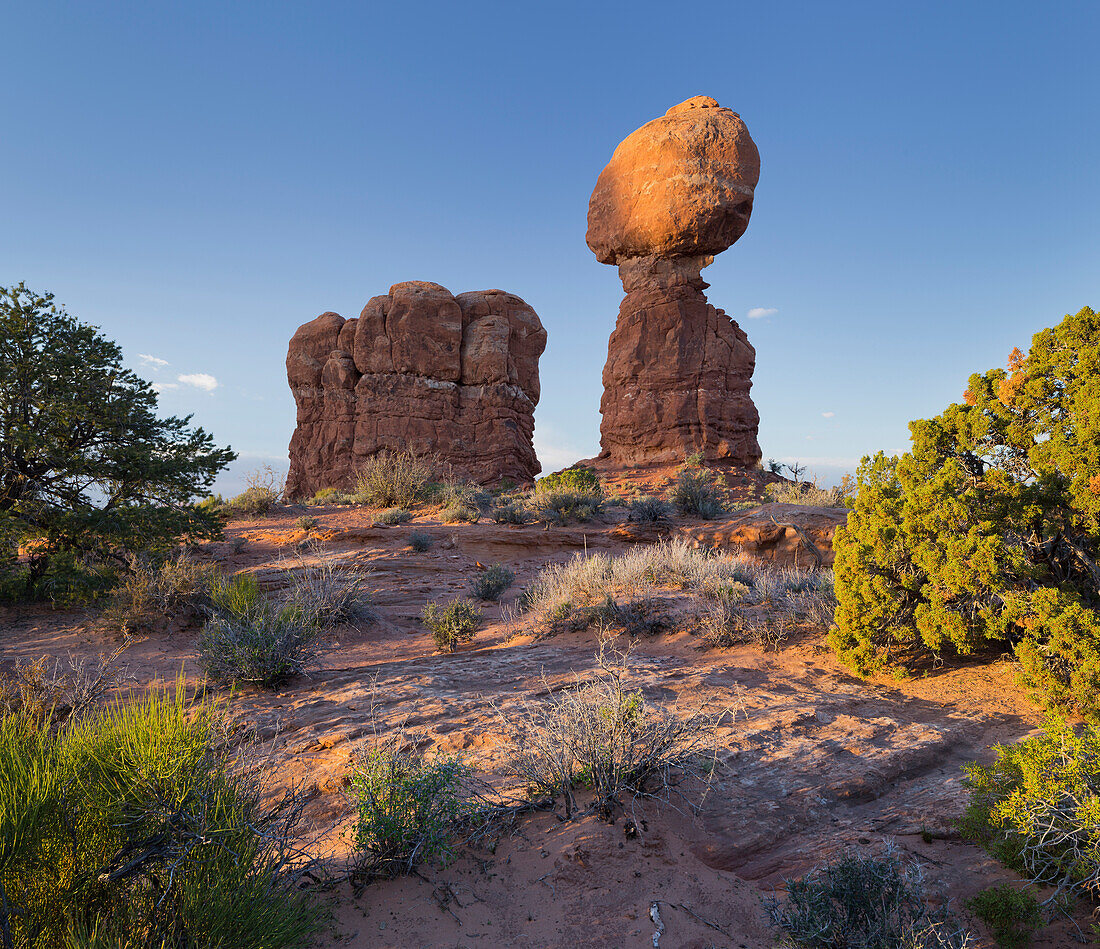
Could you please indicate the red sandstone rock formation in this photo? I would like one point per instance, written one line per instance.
(678, 373)
(419, 369)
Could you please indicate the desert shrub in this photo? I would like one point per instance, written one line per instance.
(578, 479)
(395, 479)
(393, 515)
(408, 806)
(327, 595)
(860, 901)
(49, 692)
(604, 737)
(1012, 915)
(725, 623)
(306, 523)
(212, 503)
(137, 825)
(698, 493)
(1037, 807)
(265, 646)
(491, 582)
(460, 514)
(452, 624)
(151, 591)
(253, 502)
(561, 505)
(510, 513)
(420, 542)
(648, 510)
(237, 596)
(985, 534)
(323, 495)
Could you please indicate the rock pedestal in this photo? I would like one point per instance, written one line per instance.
(678, 373)
(420, 369)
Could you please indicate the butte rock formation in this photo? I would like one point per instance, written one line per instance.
(676, 192)
(420, 369)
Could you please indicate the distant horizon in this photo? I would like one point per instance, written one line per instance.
(199, 181)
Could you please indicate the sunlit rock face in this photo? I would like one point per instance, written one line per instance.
(420, 369)
(676, 192)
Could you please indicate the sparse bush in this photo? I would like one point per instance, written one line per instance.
(265, 646)
(409, 806)
(306, 523)
(697, 493)
(46, 692)
(327, 595)
(578, 479)
(1036, 807)
(986, 534)
(393, 515)
(725, 623)
(396, 479)
(491, 582)
(560, 505)
(323, 496)
(649, 510)
(452, 624)
(137, 826)
(1012, 915)
(235, 596)
(604, 737)
(420, 542)
(177, 587)
(860, 901)
(253, 502)
(239, 544)
(510, 513)
(807, 494)
(460, 514)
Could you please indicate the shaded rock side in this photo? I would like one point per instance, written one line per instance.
(420, 369)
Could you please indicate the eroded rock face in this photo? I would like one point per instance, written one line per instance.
(422, 370)
(678, 373)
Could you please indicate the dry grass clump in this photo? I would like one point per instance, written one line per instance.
(510, 513)
(150, 592)
(649, 510)
(604, 737)
(562, 505)
(328, 595)
(457, 513)
(809, 494)
(724, 622)
(392, 516)
(264, 646)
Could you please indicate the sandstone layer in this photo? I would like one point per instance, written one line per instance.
(423, 370)
(679, 371)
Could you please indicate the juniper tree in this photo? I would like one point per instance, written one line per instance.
(88, 472)
(986, 534)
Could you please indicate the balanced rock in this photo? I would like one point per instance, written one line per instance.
(420, 369)
(678, 374)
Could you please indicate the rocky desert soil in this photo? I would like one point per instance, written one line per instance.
(814, 761)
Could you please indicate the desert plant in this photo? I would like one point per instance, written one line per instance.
(1037, 807)
(807, 494)
(420, 542)
(393, 515)
(510, 513)
(90, 474)
(459, 514)
(409, 806)
(396, 479)
(725, 623)
(985, 534)
(265, 646)
(152, 591)
(861, 901)
(253, 502)
(1012, 915)
(452, 624)
(698, 493)
(491, 582)
(604, 737)
(579, 479)
(137, 825)
(562, 505)
(237, 595)
(306, 523)
(649, 510)
(327, 595)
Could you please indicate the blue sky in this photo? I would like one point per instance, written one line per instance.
(199, 179)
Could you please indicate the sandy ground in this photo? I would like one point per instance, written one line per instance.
(815, 760)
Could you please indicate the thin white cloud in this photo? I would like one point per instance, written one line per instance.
(156, 361)
(828, 414)
(200, 380)
(161, 386)
(759, 312)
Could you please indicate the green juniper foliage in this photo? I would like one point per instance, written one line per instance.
(1012, 915)
(88, 472)
(985, 535)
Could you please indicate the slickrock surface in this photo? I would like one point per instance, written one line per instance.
(678, 372)
(420, 369)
